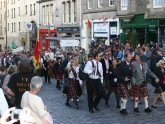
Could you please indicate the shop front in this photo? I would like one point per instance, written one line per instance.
(162, 32)
(105, 31)
(69, 37)
(138, 30)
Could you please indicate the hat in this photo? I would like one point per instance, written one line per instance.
(143, 58)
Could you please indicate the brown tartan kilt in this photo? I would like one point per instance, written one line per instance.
(72, 88)
(122, 90)
(138, 91)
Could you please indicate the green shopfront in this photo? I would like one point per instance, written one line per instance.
(138, 30)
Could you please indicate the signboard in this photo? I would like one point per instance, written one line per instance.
(100, 27)
(69, 43)
(28, 26)
(100, 35)
(68, 29)
(113, 30)
(19, 49)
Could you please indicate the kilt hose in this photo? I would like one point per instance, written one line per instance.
(138, 91)
(122, 90)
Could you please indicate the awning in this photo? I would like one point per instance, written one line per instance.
(65, 38)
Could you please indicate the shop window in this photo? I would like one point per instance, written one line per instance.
(124, 4)
(157, 3)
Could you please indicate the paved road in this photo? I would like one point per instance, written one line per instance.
(55, 101)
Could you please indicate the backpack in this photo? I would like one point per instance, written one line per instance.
(82, 75)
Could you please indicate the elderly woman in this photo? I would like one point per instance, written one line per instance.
(160, 87)
(7, 91)
(34, 103)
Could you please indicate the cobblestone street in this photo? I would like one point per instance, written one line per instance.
(55, 101)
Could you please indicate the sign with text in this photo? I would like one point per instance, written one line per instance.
(100, 27)
(29, 26)
(113, 30)
(19, 49)
(68, 29)
(69, 43)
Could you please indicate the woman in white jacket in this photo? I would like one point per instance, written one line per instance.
(3, 103)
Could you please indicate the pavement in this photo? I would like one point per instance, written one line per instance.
(55, 102)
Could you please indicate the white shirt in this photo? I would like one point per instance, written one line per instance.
(3, 103)
(107, 64)
(51, 55)
(89, 69)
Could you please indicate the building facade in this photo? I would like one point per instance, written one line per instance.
(156, 10)
(2, 24)
(22, 22)
(100, 21)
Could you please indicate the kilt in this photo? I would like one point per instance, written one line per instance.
(72, 88)
(59, 76)
(138, 91)
(122, 90)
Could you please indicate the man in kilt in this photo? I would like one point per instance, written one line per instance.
(139, 85)
(124, 75)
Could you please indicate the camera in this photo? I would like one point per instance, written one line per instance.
(15, 114)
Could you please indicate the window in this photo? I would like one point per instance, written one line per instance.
(30, 9)
(4, 4)
(44, 15)
(14, 12)
(1, 32)
(75, 17)
(124, 4)
(157, 3)
(26, 9)
(34, 12)
(51, 13)
(111, 2)
(47, 14)
(69, 11)
(1, 18)
(18, 11)
(8, 27)
(100, 3)
(89, 4)
(8, 13)
(64, 12)
(19, 26)
(14, 27)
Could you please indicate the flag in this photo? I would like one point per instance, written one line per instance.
(46, 44)
(36, 58)
(89, 23)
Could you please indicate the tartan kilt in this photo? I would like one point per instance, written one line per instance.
(72, 88)
(59, 76)
(122, 90)
(138, 91)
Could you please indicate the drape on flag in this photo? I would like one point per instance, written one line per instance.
(36, 58)
(89, 23)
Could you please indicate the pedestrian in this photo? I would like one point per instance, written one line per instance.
(94, 82)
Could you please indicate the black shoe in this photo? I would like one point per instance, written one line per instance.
(148, 110)
(124, 112)
(96, 108)
(154, 106)
(49, 82)
(67, 104)
(77, 106)
(91, 110)
(136, 110)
